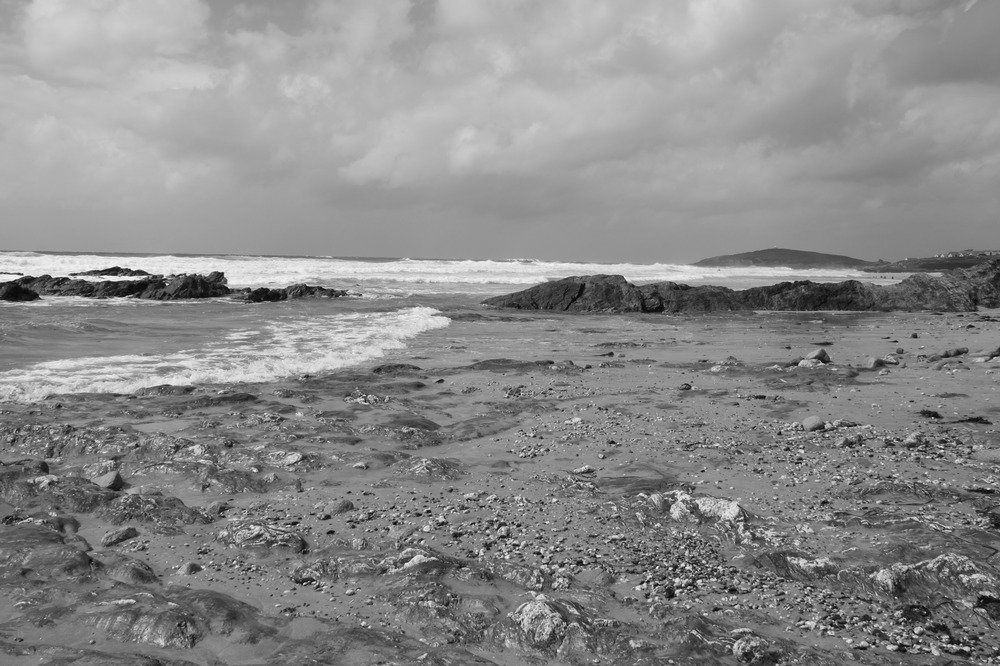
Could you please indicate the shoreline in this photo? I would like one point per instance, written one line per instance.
(644, 495)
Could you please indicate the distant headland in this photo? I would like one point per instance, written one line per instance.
(802, 259)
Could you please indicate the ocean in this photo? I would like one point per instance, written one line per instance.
(396, 308)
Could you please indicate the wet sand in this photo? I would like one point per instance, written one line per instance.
(523, 488)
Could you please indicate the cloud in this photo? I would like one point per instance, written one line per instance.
(92, 40)
(961, 47)
(617, 118)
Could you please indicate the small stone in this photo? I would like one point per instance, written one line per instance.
(337, 508)
(291, 459)
(813, 423)
(112, 481)
(819, 355)
(750, 649)
(118, 536)
(189, 568)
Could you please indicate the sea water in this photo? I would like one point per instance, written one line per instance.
(70, 345)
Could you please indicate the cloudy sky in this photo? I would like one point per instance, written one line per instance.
(635, 130)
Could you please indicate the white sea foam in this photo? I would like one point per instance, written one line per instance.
(278, 349)
(401, 277)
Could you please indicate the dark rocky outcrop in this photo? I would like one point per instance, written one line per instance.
(161, 511)
(264, 294)
(961, 290)
(154, 287)
(12, 291)
(189, 286)
(114, 271)
(168, 628)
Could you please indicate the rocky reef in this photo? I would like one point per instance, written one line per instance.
(960, 290)
(152, 287)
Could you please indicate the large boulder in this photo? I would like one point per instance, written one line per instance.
(189, 286)
(591, 293)
(13, 291)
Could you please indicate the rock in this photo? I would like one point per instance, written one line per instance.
(189, 569)
(683, 507)
(396, 369)
(872, 363)
(960, 290)
(820, 355)
(339, 507)
(592, 293)
(153, 287)
(358, 397)
(750, 649)
(43, 553)
(163, 628)
(948, 353)
(164, 512)
(13, 291)
(71, 494)
(264, 294)
(813, 423)
(114, 271)
(430, 469)
(810, 363)
(252, 533)
(165, 389)
(987, 455)
(539, 624)
(118, 536)
(129, 570)
(112, 481)
(189, 286)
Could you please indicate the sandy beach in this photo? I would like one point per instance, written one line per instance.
(528, 488)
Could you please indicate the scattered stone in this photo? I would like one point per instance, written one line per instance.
(118, 536)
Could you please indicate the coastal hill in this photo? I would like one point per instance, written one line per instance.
(785, 257)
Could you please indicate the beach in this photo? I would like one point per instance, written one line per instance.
(526, 488)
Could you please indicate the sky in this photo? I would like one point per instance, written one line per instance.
(625, 130)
